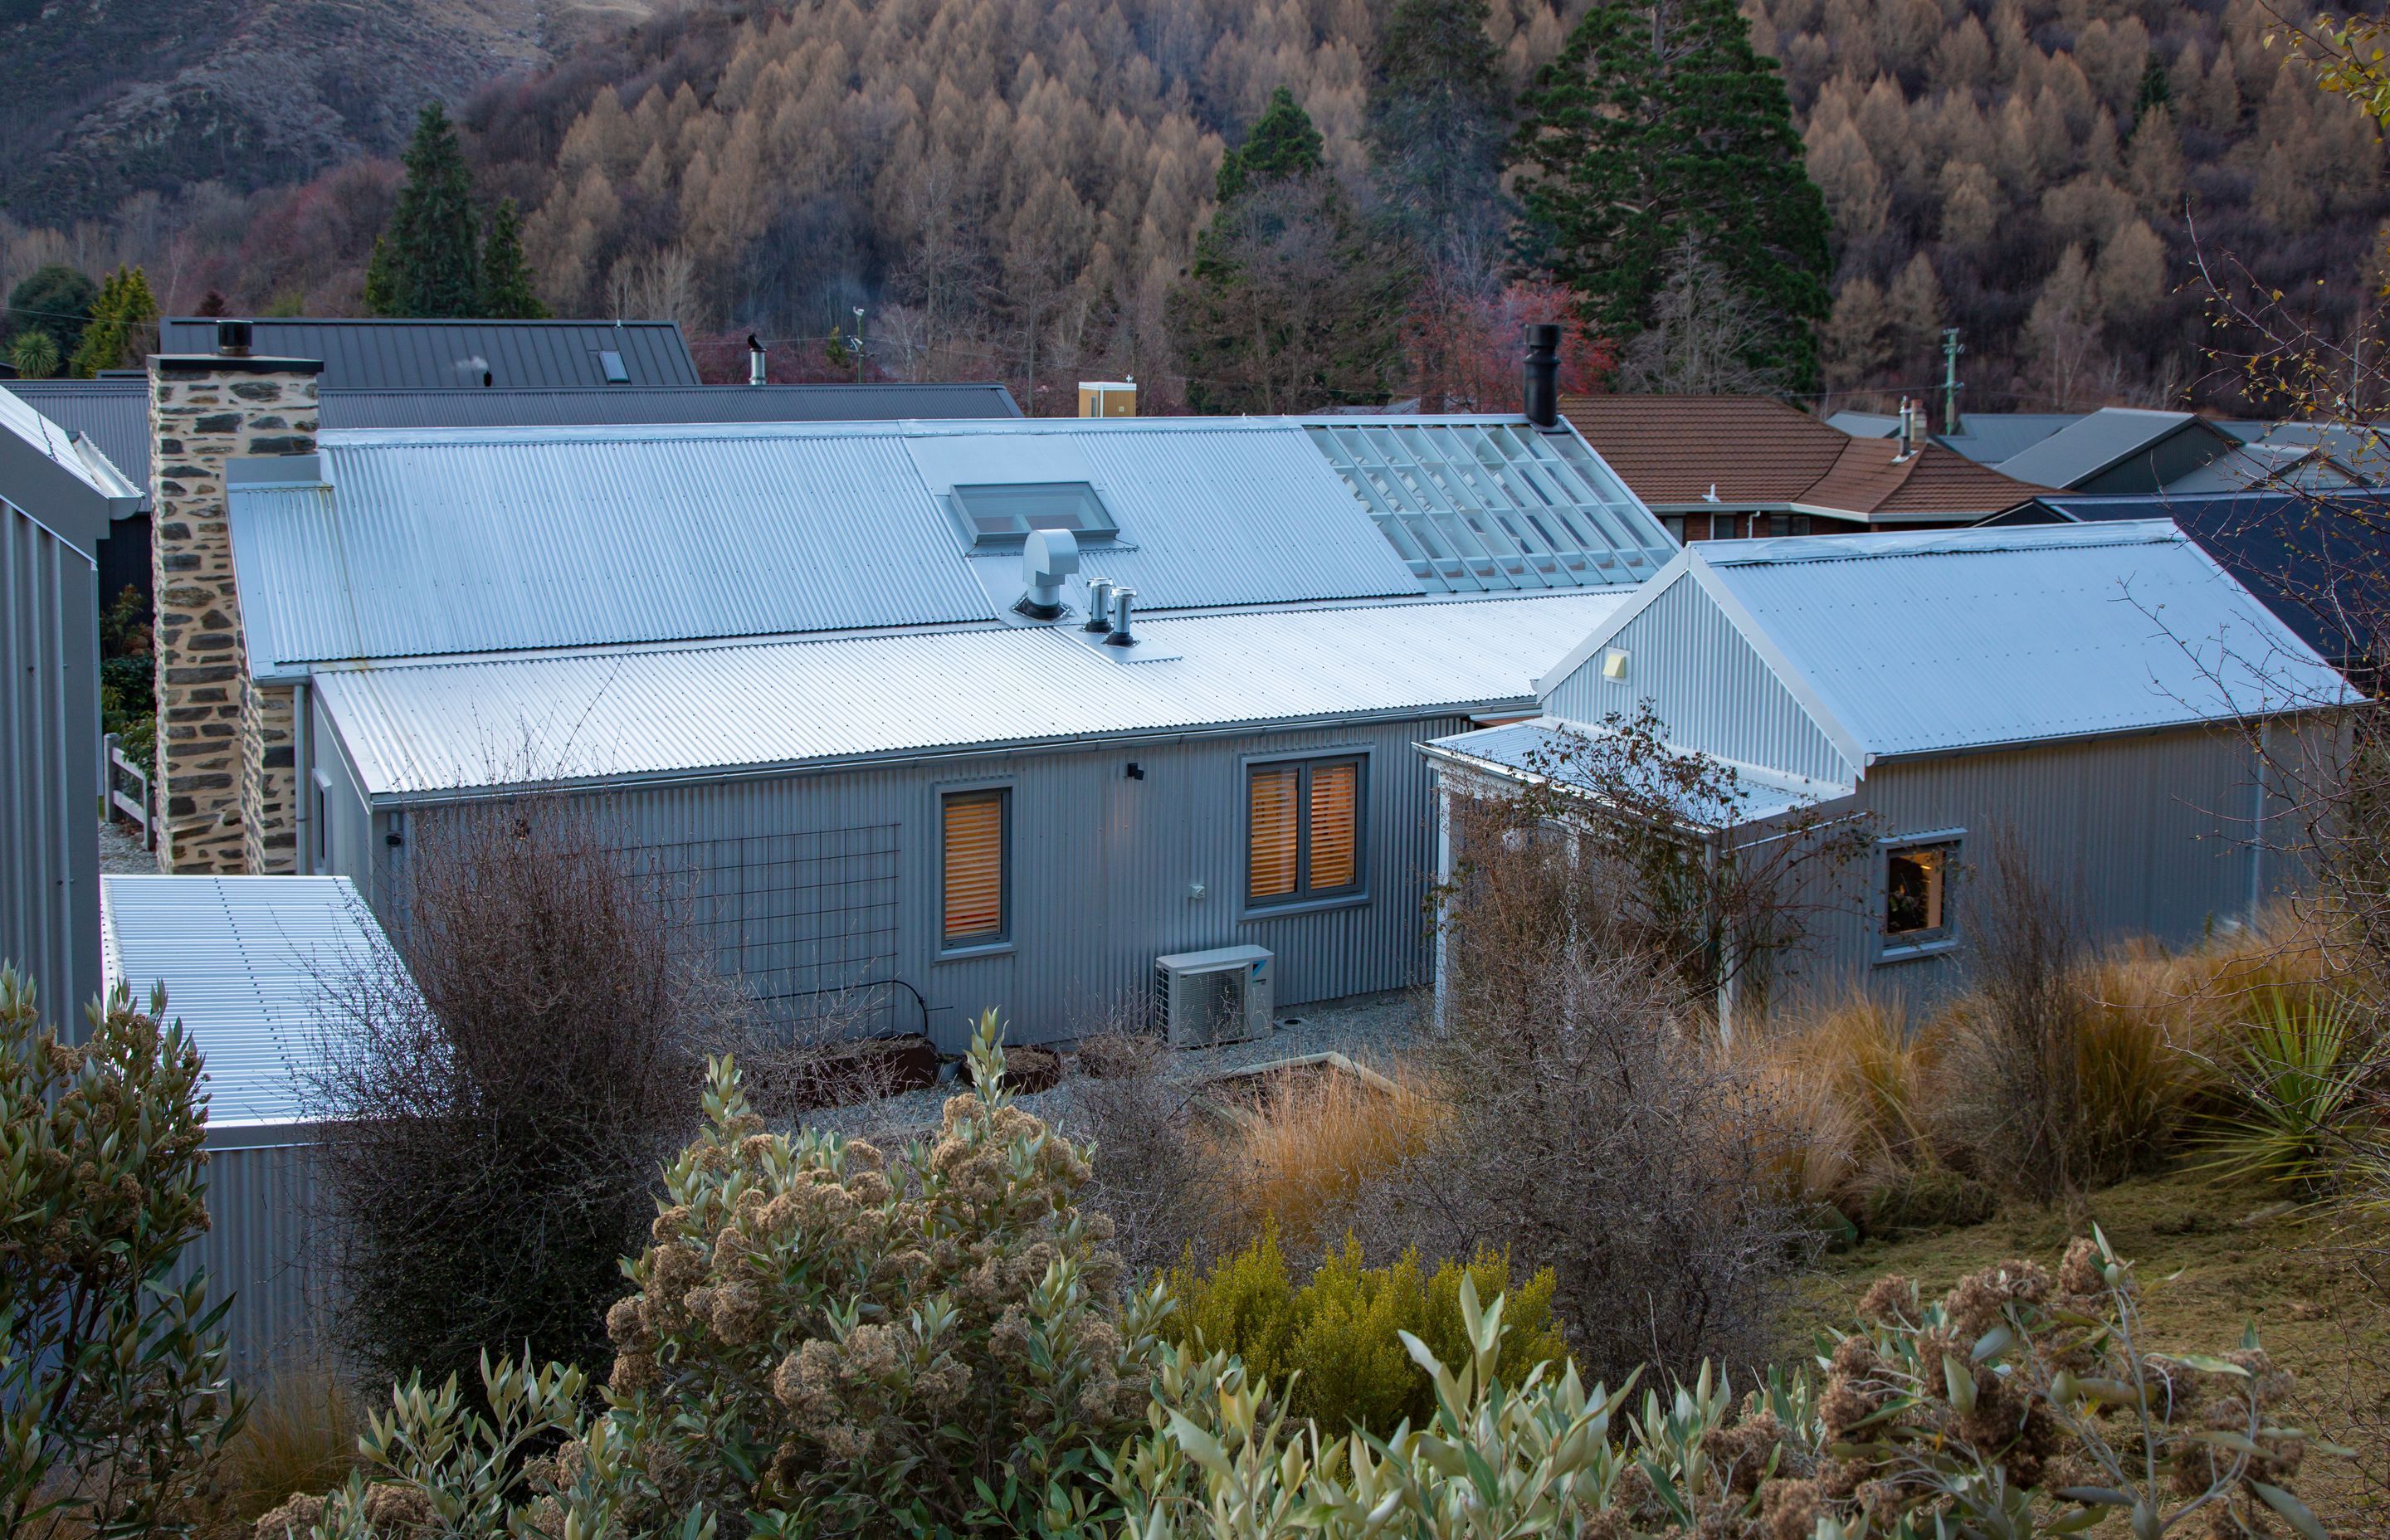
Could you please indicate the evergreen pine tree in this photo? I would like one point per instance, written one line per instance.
(427, 261)
(1659, 125)
(120, 319)
(505, 278)
(2155, 91)
(1438, 120)
(1281, 142)
(1290, 304)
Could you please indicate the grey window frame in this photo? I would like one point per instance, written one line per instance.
(1913, 945)
(1304, 899)
(1001, 941)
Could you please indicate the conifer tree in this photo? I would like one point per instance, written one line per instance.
(507, 293)
(1282, 143)
(118, 327)
(1438, 120)
(1290, 304)
(1660, 125)
(427, 261)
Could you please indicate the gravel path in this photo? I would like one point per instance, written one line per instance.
(121, 850)
(1363, 1027)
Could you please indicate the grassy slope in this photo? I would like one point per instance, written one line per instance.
(2209, 1265)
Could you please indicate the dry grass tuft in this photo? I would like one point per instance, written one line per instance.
(1853, 1078)
(1313, 1140)
(301, 1436)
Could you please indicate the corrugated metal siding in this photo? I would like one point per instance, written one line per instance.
(1987, 637)
(1714, 692)
(1102, 869)
(430, 547)
(49, 784)
(651, 404)
(2145, 832)
(443, 355)
(265, 1252)
(446, 726)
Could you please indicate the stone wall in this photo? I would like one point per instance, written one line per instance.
(269, 828)
(203, 411)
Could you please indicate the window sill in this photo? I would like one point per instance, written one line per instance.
(1915, 951)
(973, 954)
(1301, 907)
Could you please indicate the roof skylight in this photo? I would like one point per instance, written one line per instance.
(994, 516)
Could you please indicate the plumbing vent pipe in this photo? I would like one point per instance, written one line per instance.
(1543, 377)
(1100, 606)
(755, 360)
(1124, 598)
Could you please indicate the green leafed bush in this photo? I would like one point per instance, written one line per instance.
(2297, 1108)
(1335, 1340)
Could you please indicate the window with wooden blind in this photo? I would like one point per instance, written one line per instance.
(1302, 830)
(972, 840)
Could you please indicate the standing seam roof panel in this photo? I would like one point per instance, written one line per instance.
(437, 355)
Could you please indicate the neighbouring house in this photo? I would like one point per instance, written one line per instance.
(57, 493)
(2316, 559)
(238, 397)
(1987, 437)
(380, 352)
(2112, 450)
(2088, 691)
(255, 969)
(1716, 467)
(937, 716)
(112, 412)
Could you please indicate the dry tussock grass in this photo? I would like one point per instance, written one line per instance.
(300, 1436)
(1314, 1140)
(1869, 1092)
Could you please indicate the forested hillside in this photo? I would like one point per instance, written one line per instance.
(1013, 187)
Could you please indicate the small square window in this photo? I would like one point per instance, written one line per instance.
(1918, 893)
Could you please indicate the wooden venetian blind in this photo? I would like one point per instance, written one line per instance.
(1274, 826)
(1335, 806)
(975, 867)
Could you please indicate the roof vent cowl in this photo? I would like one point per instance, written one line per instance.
(233, 338)
(1542, 397)
(1047, 558)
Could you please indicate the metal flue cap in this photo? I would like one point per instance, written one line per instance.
(233, 338)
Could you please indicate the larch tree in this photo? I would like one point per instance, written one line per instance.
(1659, 126)
(427, 261)
(1288, 305)
(506, 292)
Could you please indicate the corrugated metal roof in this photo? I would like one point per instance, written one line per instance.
(404, 354)
(438, 727)
(251, 967)
(57, 479)
(1987, 437)
(665, 404)
(114, 414)
(1964, 638)
(428, 542)
(2091, 445)
(475, 543)
(1556, 751)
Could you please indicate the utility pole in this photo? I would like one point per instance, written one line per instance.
(858, 344)
(1951, 349)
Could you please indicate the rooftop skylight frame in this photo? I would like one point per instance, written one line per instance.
(1490, 507)
(996, 515)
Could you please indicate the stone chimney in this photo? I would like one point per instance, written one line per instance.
(224, 753)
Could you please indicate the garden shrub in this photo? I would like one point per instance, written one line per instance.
(113, 1394)
(1338, 1336)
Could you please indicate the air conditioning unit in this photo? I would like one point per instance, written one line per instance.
(1223, 995)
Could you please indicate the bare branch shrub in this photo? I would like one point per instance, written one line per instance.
(503, 1128)
(1596, 1127)
(2016, 1107)
(1672, 854)
(1154, 1172)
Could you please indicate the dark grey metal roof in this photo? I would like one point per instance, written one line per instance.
(113, 414)
(665, 404)
(431, 355)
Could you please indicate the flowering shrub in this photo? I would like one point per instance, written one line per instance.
(113, 1397)
(833, 1341)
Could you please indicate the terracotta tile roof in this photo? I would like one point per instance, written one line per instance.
(1762, 453)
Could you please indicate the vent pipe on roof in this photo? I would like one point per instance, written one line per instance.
(755, 360)
(1047, 558)
(1099, 605)
(1543, 384)
(233, 338)
(1124, 598)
